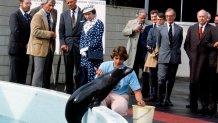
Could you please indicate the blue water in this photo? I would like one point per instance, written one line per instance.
(4, 119)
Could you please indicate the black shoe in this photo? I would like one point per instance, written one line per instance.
(212, 109)
(188, 106)
(152, 100)
(159, 104)
(193, 109)
(204, 111)
(168, 103)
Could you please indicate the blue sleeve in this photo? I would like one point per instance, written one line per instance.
(134, 82)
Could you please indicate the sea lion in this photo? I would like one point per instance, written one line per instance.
(91, 94)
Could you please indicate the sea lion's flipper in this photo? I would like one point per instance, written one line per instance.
(94, 102)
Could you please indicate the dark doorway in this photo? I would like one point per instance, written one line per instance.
(191, 7)
(128, 3)
(162, 5)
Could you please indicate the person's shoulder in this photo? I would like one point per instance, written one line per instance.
(107, 63)
(16, 12)
(211, 26)
(55, 10)
(36, 8)
(99, 22)
(193, 26)
(177, 26)
(65, 12)
(148, 27)
(132, 21)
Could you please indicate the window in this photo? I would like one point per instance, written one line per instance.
(162, 5)
(190, 9)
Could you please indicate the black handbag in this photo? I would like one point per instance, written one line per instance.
(95, 55)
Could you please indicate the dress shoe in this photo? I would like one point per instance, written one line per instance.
(168, 103)
(193, 109)
(159, 104)
(152, 100)
(212, 109)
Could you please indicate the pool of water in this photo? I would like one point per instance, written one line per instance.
(4, 119)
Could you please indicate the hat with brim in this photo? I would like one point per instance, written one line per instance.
(88, 9)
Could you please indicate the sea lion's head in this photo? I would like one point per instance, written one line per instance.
(120, 72)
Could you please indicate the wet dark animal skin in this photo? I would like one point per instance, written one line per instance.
(91, 94)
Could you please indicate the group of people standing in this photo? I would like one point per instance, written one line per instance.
(156, 50)
(33, 34)
(153, 48)
(80, 34)
(162, 43)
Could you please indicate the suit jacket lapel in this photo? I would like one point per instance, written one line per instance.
(175, 31)
(44, 19)
(165, 28)
(79, 16)
(53, 16)
(22, 18)
(195, 33)
(205, 31)
(68, 18)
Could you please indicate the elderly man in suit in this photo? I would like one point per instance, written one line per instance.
(49, 58)
(202, 54)
(19, 23)
(169, 38)
(71, 23)
(40, 40)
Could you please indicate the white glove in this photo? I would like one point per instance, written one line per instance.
(84, 50)
(83, 54)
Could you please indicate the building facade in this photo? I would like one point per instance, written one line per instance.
(116, 19)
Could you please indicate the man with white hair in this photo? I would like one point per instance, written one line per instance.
(200, 50)
(40, 40)
(49, 58)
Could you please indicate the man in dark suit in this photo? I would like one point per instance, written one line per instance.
(199, 48)
(170, 37)
(49, 58)
(143, 43)
(19, 23)
(71, 23)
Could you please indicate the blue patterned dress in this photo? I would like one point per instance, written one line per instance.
(91, 37)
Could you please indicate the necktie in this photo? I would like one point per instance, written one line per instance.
(170, 33)
(200, 33)
(49, 21)
(73, 19)
(155, 25)
(26, 16)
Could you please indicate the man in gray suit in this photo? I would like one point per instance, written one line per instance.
(71, 23)
(49, 58)
(170, 37)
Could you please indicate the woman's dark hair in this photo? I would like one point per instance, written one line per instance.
(93, 11)
(120, 51)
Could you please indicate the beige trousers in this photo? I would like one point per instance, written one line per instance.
(117, 103)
